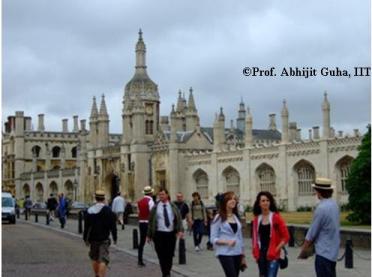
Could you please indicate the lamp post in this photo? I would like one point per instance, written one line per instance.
(75, 189)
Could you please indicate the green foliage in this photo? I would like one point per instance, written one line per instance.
(358, 183)
(304, 209)
(248, 209)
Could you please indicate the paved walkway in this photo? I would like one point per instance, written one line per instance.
(205, 264)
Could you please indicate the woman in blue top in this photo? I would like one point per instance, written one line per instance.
(62, 210)
(227, 237)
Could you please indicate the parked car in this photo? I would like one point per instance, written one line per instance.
(8, 211)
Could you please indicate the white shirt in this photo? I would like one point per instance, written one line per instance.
(118, 204)
(160, 217)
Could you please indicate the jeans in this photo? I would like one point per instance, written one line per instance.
(230, 265)
(198, 230)
(268, 268)
(324, 267)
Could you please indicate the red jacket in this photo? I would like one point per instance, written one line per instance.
(143, 208)
(278, 233)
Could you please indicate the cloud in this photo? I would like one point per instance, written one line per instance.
(57, 55)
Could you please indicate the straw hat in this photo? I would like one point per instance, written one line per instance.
(148, 190)
(323, 183)
(100, 194)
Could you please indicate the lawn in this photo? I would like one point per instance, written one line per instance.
(306, 217)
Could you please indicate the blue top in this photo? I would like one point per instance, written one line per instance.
(325, 229)
(222, 230)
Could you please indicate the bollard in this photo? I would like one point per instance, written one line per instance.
(182, 252)
(291, 231)
(135, 239)
(80, 222)
(47, 218)
(348, 254)
(26, 215)
(122, 226)
(36, 217)
(18, 213)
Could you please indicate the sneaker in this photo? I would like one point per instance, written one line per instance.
(197, 249)
(141, 264)
(200, 248)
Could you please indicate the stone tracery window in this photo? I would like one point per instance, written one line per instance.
(39, 192)
(343, 170)
(201, 180)
(266, 177)
(305, 177)
(232, 179)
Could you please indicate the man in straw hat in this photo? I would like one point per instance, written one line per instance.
(324, 231)
(99, 222)
(144, 205)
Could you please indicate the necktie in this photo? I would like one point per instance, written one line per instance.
(166, 217)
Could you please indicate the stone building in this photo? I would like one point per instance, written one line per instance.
(174, 151)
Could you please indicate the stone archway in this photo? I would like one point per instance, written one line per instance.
(112, 186)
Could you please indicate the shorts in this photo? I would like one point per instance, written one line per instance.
(99, 251)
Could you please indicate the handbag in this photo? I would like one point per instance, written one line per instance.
(283, 262)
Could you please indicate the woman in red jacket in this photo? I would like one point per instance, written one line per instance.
(269, 234)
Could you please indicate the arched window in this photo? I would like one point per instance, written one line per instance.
(36, 151)
(56, 151)
(305, 177)
(74, 152)
(69, 190)
(232, 180)
(53, 188)
(39, 192)
(343, 169)
(201, 180)
(266, 178)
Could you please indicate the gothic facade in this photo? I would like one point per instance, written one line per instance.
(173, 151)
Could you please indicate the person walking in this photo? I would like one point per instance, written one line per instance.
(144, 205)
(51, 206)
(118, 206)
(324, 231)
(100, 221)
(165, 225)
(227, 236)
(28, 206)
(62, 210)
(198, 220)
(183, 209)
(270, 234)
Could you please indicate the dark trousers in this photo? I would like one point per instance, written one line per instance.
(230, 265)
(324, 267)
(198, 230)
(165, 243)
(62, 220)
(143, 232)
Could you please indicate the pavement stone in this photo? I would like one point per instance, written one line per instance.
(204, 263)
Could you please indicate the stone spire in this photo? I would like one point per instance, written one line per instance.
(240, 121)
(140, 54)
(326, 108)
(179, 102)
(103, 109)
(191, 102)
(94, 111)
(285, 123)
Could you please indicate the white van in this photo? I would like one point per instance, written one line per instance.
(8, 207)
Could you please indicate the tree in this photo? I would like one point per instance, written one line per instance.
(358, 183)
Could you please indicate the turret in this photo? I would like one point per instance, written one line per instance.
(93, 124)
(240, 121)
(326, 108)
(285, 123)
(192, 118)
(103, 124)
(41, 127)
(248, 130)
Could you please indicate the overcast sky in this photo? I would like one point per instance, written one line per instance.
(57, 55)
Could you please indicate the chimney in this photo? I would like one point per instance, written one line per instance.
(292, 131)
(41, 126)
(356, 132)
(310, 134)
(28, 123)
(83, 125)
(332, 134)
(316, 132)
(298, 135)
(76, 123)
(340, 134)
(65, 125)
(272, 125)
